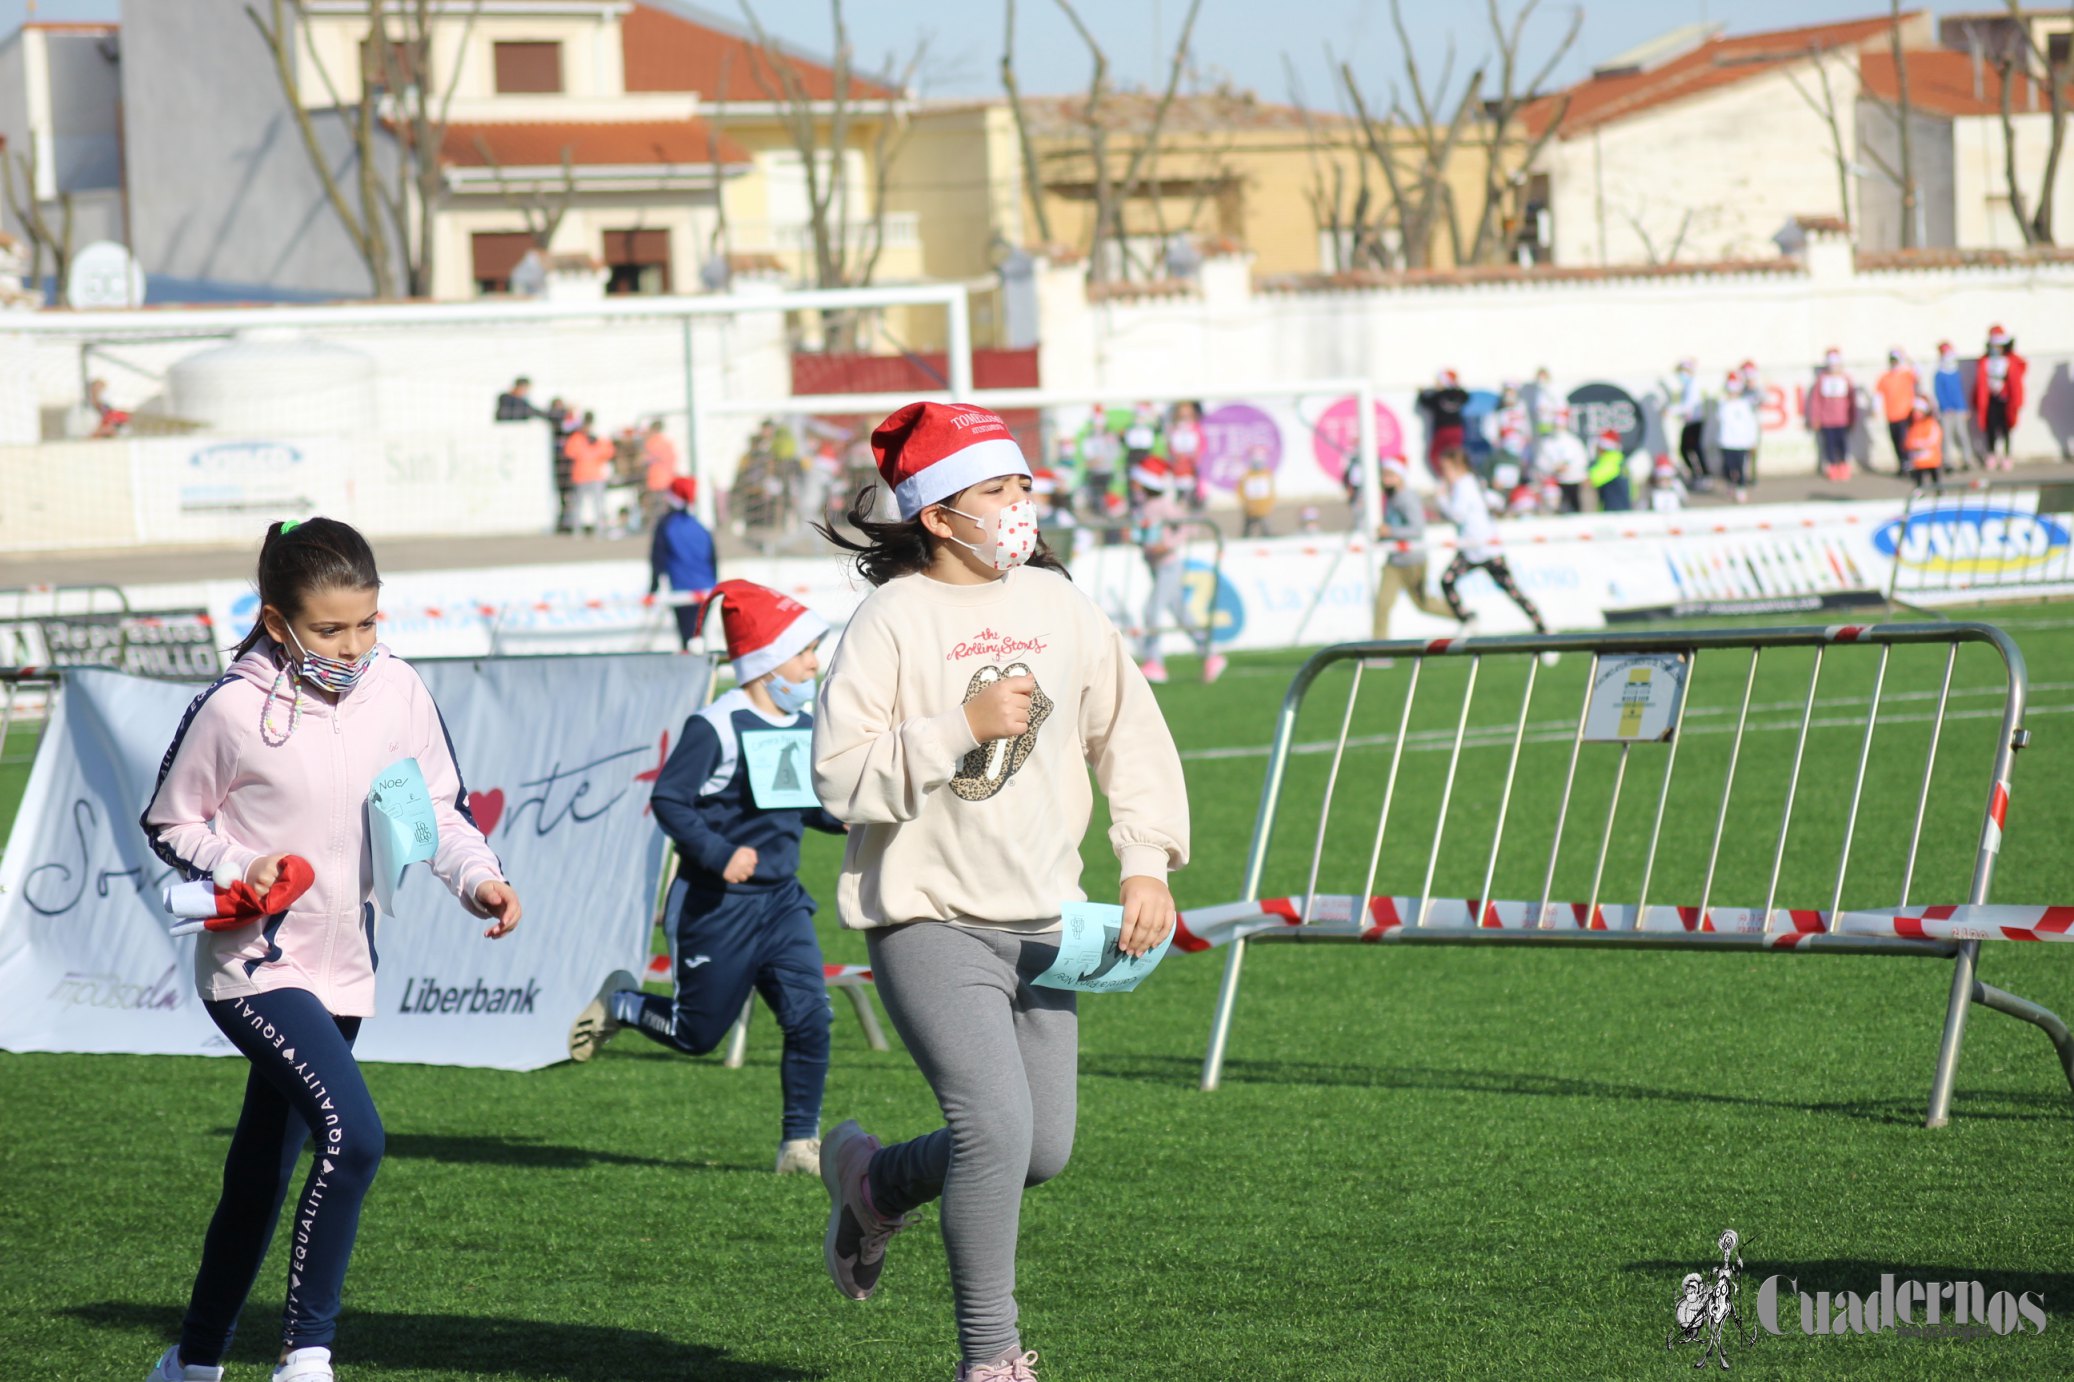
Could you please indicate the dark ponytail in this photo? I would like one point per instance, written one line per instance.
(891, 550)
(299, 559)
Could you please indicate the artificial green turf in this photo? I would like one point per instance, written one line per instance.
(1423, 1162)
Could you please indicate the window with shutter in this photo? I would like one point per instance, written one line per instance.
(639, 261)
(496, 253)
(524, 68)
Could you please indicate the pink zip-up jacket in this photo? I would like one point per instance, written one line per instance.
(226, 796)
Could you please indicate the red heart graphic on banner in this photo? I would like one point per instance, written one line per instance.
(487, 808)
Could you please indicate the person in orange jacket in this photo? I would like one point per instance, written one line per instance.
(1998, 396)
(1922, 446)
(1897, 391)
(590, 455)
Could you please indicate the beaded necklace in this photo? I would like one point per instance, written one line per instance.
(270, 736)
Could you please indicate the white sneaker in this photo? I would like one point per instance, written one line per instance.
(594, 1026)
(171, 1369)
(800, 1157)
(305, 1365)
(1551, 658)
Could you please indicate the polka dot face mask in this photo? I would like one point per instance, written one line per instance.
(1011, 535)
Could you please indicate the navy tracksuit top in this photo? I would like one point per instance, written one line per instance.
(703, 800)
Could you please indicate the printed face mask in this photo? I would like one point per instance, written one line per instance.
(1010, 535)
(330, 673)
(791, 697)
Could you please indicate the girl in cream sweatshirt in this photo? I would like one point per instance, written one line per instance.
(969, 696)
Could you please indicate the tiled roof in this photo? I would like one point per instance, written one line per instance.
(1512, 274)
(519, 144)
(1940, 82)
(1717, 63)
(668, 51)
(1130, 112)
(1893, 261)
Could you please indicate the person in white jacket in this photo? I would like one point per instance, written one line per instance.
(1735, 433)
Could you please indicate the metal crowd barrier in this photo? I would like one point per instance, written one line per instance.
(1635, 713)
(1984, 540)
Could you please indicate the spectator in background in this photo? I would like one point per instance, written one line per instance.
(1954, 417)
(1998, 396)
(1666, 490)
(1404, 551)
(1609, 474)
(1923, 446)
(1256, 494)
(1685, 421)
(681, 552)
(1098, 452)
(1560, 458)
(1443, 405)
(1142, 437)
(590, 470)
(1185, 452)
(1832, 409)
(1897, 389)
(562, 421)
(108, 419)
(1463, 501)
(1753, 389)
(1511, 429)
(1735, 433)
(658, 469)
(515, 404)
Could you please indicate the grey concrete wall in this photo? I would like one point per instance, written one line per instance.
(85, 110)
(221, 188)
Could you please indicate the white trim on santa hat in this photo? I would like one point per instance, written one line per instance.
(805, 629)
(983, 460)
(1161, 479)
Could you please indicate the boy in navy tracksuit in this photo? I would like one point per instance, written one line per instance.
(682, 553)
(735, 795)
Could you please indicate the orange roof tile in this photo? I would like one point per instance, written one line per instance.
(590, 144)
(1940, 81)
(669, 52)
(1716, 63)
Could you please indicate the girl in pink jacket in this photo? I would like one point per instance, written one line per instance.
(276, 759)
(1832, 409)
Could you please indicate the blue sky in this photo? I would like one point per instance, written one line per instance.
(1244, 39)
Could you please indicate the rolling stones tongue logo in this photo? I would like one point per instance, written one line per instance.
(987, 768)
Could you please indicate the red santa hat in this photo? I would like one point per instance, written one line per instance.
(1663, 469)
(764, 629)
(1044, 481)
(1947, 348)
(1997, 336)
(927, 452)
(1154, 474)
(1609, 438)
(684, 490)
(1394, 465)
(1449, 379)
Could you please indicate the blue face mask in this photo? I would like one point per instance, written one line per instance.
(791, 697)
(330, 673)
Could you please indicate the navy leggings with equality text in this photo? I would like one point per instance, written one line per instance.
(303, 1082)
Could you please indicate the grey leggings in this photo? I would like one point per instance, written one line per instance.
(1002, 1058)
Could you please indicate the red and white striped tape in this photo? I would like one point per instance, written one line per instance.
(1339, 914)
(1986, 923)
(837, 976)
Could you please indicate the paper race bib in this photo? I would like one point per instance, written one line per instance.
(779, 773)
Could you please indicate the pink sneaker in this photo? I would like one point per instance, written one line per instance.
(1213, 667)
(1155, 671)
(854, 1247)
(1023, 1369)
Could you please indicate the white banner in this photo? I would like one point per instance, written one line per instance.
(559, 755)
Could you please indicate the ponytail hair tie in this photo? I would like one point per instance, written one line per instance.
(290, 526)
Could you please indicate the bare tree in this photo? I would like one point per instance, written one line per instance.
(2039, 229)
(36, 229)
(1489, 245)
(1113, 195)
(1902, 118)
(843, 257)
(2005, 67)
(722, 244)
(543, 208)
(1325, 193)
(1826, 109)
(398, 116)
(1033, 177)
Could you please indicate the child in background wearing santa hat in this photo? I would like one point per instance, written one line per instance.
(1560, 459)
(1404, 551)
(245, 788)
(1832, 408)
(1736, 429)
(1666, 490)
(737, 917)
(681, 553)
(1923, 446)
(1158, 536)
(1897, 393)
(972, 691)
(1954, 416)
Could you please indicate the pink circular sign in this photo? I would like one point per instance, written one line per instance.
(1337, 437)
(1231, 435)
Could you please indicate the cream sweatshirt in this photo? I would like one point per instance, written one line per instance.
(944, 828)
